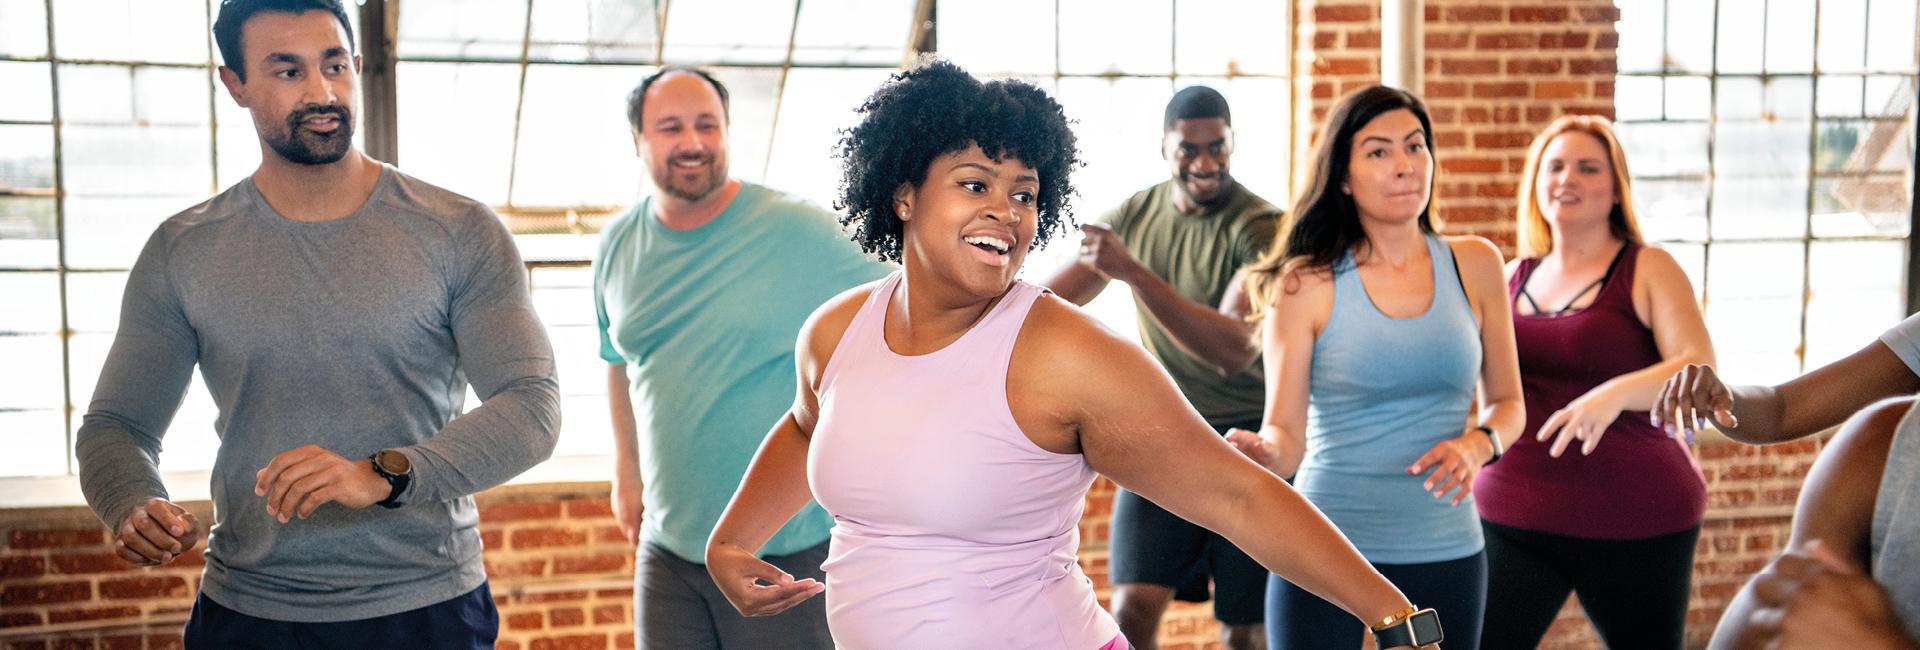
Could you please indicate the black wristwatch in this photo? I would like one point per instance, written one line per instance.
(1408, 629)
(394, 466)
(1493, 438)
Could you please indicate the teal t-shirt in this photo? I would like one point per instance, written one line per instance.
(705, 320)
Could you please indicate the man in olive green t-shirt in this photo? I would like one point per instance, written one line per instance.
(1180, 246)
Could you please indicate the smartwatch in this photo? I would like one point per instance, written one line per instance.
(1493, 438)
(1408, 629)
(394, 466)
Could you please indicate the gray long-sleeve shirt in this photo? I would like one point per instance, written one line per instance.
(356, 334)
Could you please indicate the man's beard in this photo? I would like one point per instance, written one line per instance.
(299, 145)
(691, 191)
(1222, 182)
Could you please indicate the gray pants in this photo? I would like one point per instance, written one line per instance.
(677, 606)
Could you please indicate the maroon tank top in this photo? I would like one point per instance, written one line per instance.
(1639, 482)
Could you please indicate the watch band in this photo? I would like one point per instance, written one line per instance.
(399, 482)
(1492, 438)
(1418, 629)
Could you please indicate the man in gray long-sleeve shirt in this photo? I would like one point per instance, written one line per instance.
(336, 309)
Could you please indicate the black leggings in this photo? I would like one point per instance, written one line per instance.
(1634, 591)
(1455, 589)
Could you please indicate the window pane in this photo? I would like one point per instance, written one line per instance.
(1760, 155)
(1861, 206)
(1839, 96)
(1857, 292)
(456, 125)
(1641, 34)
(1687, 50)
(1692, 259)
(93, 301)
(32, 303)
(1664, 148)
(1789, 34)
(237, 143)
(1636, 98)
(1672, 209)
(106, 232)
(592, 30)
(819, 103)
(29, 90)
(27, 232)
(23, 28)
(483, 29)
(33, 366)
(1890, 33)
(189, 443)
(1739, 38)
(575, 144)
(1123, 36)
(26, 156)
(1230, 36)
(751, 94)
(1689, 98)
(730, 31)
(1843, 26)
(872, 32)
(977, 36)
(34, 444)
(1753, 310)
(1119, 133)
(170, 31)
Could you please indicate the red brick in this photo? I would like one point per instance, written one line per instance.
(625, 641)
(1471, 14)
(163, 642)
(1446, 40)
(1537, 14)
(1501, 140)
(1507, 41)
(144, 587)
(521, 511)
(1363, 40)
(590, 508)
(574, 642)
(548, 537)
(1539, 113)
(1603, 89)
(506, 645)
(567, 617)
(72, 644)
(1607, 41)
(1496, 190)
(45, 593)
(609, 614)
(1473, 213)
(1355, 13)
(619, 594)
(1596, 66)
(1500, 89)
(1445, 89)
(56, 538)
(123, 642)
(89, 563)
(493, 539)
(1444, 115)
(1562, 89)
(1570, 40)
(95, 614)
(1607, 14)
(22, 567)
(555, 597)
(516, 567)
(599, 563)
(19, 619)
(1322, 90)
(1454, 66)
(610, 534)
(524, 621)
(1324, 40)
(1345, 66)
(1534, 66)
(1454, 190)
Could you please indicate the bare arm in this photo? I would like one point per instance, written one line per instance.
(1301, 305)
(1801, 407)
(1817, 589)
(1456, 462)
(1664, 297)
(1218, 335)
(628, 488)
(1135, 427)
(1077, 283)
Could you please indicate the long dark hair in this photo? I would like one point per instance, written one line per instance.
(1326, 223)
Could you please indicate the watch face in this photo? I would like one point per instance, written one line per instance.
(393, 462)
(1425, 626)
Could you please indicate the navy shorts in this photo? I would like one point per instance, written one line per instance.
(467, 622)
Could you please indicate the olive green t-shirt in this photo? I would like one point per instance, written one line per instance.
(1198, 254)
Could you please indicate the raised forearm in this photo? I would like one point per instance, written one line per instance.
(774, 488)
(1199, 330)
(510, 432)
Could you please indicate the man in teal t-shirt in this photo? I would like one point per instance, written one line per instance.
(701, 290)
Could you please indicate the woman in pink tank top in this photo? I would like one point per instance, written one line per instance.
(951, 418)
(1593, 499)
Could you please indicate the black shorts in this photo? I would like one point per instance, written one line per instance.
(1152, 546)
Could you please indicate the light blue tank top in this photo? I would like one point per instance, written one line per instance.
(1384, 392)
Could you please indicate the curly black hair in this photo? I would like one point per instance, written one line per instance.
(935, 109)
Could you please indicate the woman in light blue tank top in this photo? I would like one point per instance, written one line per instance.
(1378, 332)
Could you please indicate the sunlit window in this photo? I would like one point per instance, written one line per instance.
(1774, 156)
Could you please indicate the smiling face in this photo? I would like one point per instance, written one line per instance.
(301, 84)
(683, 136)
(1575, 184)
(971, 222)
(1390, 169)
(1198, 150)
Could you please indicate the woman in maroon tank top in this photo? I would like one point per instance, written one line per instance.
(1596, 500)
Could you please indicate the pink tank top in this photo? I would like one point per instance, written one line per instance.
(951, 528)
